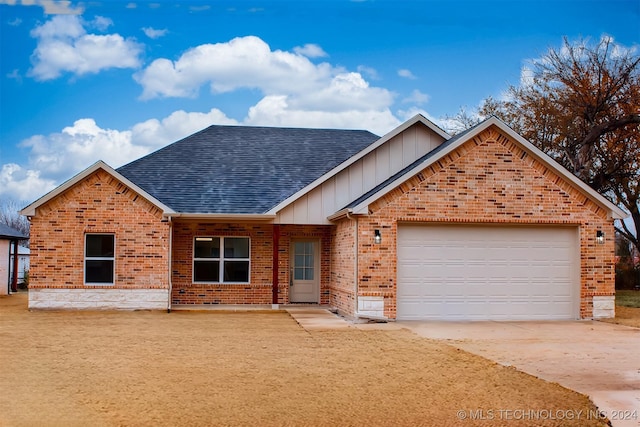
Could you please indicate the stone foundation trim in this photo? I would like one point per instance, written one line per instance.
(604, 307)
(98, 299)
(371, 307)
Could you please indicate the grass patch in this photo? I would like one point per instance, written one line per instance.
(628, 298)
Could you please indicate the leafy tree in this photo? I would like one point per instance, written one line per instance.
(580, 104)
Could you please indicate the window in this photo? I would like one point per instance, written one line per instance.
(213, 265)
(99, 259)
(303, 262)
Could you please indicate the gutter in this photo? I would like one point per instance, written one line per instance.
(224, 217)
(342, 213)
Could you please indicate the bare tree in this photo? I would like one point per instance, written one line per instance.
(461, 121)
(9, 216)
(581, 105)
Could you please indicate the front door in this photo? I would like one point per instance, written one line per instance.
(305, 272)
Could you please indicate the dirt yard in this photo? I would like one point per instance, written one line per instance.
(629, 316)
(212, 368)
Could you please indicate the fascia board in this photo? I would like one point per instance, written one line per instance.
(222, 217)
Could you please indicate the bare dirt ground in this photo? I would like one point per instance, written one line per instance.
(629, 316)
(217, 368)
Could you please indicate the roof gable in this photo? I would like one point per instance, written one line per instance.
(242, 169)
(417, 119)
(360, 205)
(31, 209)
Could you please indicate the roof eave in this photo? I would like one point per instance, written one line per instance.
(615, 211)
(218, 217)
(31, 209)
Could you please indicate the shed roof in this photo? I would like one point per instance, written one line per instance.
(9, 233)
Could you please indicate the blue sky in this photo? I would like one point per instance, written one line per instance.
(114, 80)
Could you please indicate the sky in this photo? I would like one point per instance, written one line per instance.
(116, 80)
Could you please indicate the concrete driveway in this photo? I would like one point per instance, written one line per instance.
(601, 360)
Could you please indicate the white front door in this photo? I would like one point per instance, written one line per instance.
(305, 272)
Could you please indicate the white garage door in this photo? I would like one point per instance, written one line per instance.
(453, 272)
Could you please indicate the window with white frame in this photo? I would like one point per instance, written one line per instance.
(221, 260)
(99, 259)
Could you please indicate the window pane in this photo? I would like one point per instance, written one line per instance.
(236, 247)
(206, 271)
(100, 245)
(236, 271)
(308, 260)
(99, 271)
(308, 274)
(205, 248)
(298, 248)
(298, 273)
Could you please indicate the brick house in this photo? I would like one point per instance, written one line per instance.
(413, 225)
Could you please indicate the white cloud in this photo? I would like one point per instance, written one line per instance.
(407, 114)
(55, 7)
(101, 23)
(275, 110)
(248, 62)
(152, 33)
(310, 51)
(64, 46)
(18, 183)
(78, 146)
(244, 62)
(416, 97)
(131, 5)
(407, 74)
(370, 72)
(56, 157)
(155, 133)
(51, 7)
(15, 23)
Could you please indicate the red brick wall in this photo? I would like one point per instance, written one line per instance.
(489, 179)
(99, 204)
(343, 266)
(259, 289)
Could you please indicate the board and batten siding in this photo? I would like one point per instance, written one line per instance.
(361, 176)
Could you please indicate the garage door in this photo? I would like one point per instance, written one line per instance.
(487, 273)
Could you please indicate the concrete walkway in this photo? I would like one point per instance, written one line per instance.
(315, 319)
(598, 359)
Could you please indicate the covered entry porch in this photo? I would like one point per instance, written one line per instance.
(248, 263)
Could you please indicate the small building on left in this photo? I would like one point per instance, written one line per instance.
(9, 268)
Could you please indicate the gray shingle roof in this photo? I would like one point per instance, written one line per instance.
(7, 232)
(240, 169)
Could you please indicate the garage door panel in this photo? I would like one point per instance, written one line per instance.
(481, 272)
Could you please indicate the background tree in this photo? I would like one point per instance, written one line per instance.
(580, 104)
(9, 216)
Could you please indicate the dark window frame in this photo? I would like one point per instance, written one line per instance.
(94, 265)
(223, 260)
